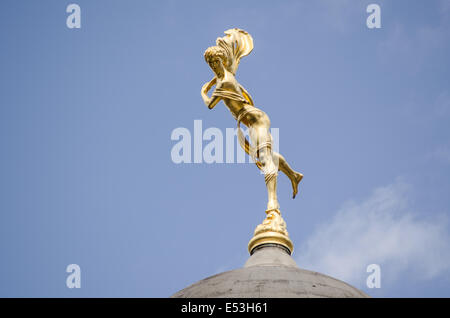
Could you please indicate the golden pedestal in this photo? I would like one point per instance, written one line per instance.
(271, 231)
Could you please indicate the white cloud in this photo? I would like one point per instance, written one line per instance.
(382, 230)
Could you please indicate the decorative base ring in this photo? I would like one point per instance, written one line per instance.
(270, 238)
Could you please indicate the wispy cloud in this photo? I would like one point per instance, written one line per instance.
(442, 154)
(383, 229)
(412, 47)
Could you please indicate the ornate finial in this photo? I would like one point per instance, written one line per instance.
(224, 59)
(271, 231)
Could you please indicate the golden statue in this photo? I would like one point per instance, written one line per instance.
(224, 59)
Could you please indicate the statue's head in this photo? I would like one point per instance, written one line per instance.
(216, 57)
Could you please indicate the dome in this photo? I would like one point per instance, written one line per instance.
(270, 272)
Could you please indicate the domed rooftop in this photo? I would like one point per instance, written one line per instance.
(270, 272)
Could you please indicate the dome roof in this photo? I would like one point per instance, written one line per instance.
(270, 273)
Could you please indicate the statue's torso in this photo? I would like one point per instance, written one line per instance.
(229, 90)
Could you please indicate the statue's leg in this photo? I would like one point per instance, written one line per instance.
(294, 176)
(270, 176)
(262, 140)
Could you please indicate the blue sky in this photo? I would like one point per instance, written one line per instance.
(86, 115)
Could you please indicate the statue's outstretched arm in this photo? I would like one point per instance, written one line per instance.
(210, 102)
(207, 86)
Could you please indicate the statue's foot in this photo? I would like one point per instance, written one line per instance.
(295, 181)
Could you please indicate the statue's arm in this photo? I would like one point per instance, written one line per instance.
(213, 102)
(246, 95)
(210, 102)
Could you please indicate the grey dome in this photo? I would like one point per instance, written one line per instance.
(270, 273)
